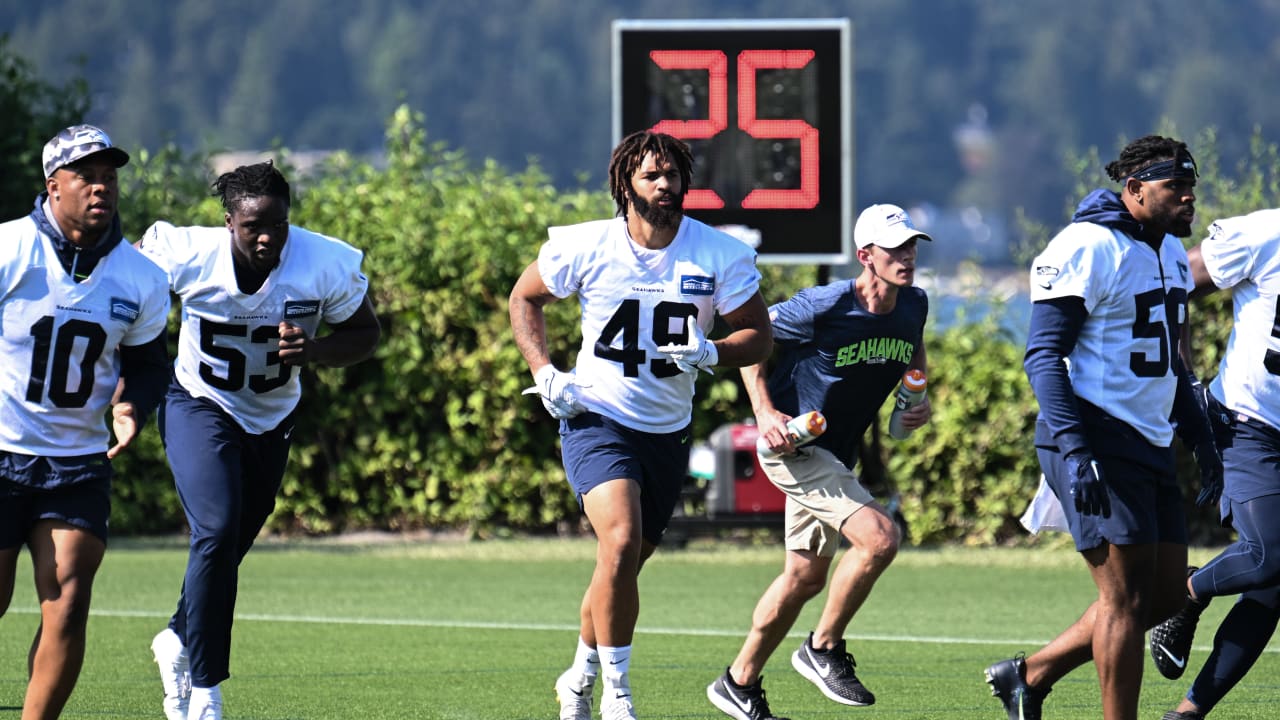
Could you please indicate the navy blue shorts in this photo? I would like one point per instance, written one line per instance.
(86, 505)
(597, 450)
(1250, 459)
(1141, 481)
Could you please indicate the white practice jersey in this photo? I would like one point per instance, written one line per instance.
(634, 300)
(228, 346)
(1137, 303)
(60, 340)
(1243, 254)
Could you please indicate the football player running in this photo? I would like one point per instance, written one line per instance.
(1241, 254)
(649, 283)
(1109, 298)
(84, 317)
(254, 295)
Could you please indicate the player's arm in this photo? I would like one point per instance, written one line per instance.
(1055, 328)
(348, 342)
(770, 422)
(144, 375)
(751, 337)
(528, 321)
(1199, 273)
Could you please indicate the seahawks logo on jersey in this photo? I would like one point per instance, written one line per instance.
(1045, 275)
(300, 308)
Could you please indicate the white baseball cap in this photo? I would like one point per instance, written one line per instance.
(885, 225)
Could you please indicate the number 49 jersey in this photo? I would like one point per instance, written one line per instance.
(1243, 254)
(228, 346)
(1137, 302)
(60, 340)
(634, 300)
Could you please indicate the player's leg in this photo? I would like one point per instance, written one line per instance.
(834, 504)
(739, 692)
(1239, 642)
(1126, 578)
(613, 508)
(873, 543)
(8, 569)
(803, 576)
(204, 448)
(65, 559)
(14, 528)
(263, 461)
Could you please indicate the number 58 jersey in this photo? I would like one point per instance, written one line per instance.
(633, 300)
(228, 345)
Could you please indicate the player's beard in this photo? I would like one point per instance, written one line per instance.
(663, 218)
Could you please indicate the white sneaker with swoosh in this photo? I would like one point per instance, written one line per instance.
(573, 692)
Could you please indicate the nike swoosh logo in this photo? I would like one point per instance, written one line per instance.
(744, 703)
(575, 692)
(823, 670)
(1180, 662)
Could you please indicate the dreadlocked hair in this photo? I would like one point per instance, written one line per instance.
(1143, 152)
(262, 179)
(629, 153)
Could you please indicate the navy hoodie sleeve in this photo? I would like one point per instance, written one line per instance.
(145, 371)
(1055, 327)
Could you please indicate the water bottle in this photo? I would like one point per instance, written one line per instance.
(801, 429)
(909, 394)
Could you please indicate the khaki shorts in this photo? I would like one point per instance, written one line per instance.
(821, 494)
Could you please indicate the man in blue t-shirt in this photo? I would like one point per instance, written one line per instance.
(843, 348)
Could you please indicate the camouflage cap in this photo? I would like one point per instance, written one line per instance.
(76, 143)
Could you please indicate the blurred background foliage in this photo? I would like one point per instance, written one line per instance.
(432, 432)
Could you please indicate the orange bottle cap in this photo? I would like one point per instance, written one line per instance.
(914, 380)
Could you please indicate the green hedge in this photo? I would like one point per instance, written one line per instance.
(433, 430)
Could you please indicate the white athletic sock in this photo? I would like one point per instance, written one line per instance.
(614, 664)
(201, 697)
(586, 660)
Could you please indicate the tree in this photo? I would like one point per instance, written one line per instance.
(31, 112)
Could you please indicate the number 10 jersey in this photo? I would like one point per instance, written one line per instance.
(59, 340)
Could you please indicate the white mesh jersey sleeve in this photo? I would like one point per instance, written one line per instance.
(1243, 254)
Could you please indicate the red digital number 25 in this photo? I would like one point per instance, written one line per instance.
(749, 61)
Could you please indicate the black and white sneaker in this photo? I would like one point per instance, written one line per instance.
(1008, 681)
(832, 671)
(1186, 715)
(742, 702)
(1171, 639)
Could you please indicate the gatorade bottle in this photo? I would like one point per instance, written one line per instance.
(909, 394)
(801, 430)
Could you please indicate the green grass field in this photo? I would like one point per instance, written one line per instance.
(446, 629)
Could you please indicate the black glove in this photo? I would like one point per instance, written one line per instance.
(1088, 487)
(1210, 463)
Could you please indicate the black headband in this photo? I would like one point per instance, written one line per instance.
(1182, 167)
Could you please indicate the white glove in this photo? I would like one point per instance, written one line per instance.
(558, 390)
(698, 353)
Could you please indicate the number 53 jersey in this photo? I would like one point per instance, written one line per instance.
(60, 339)
(633, 300)
(228, 345)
